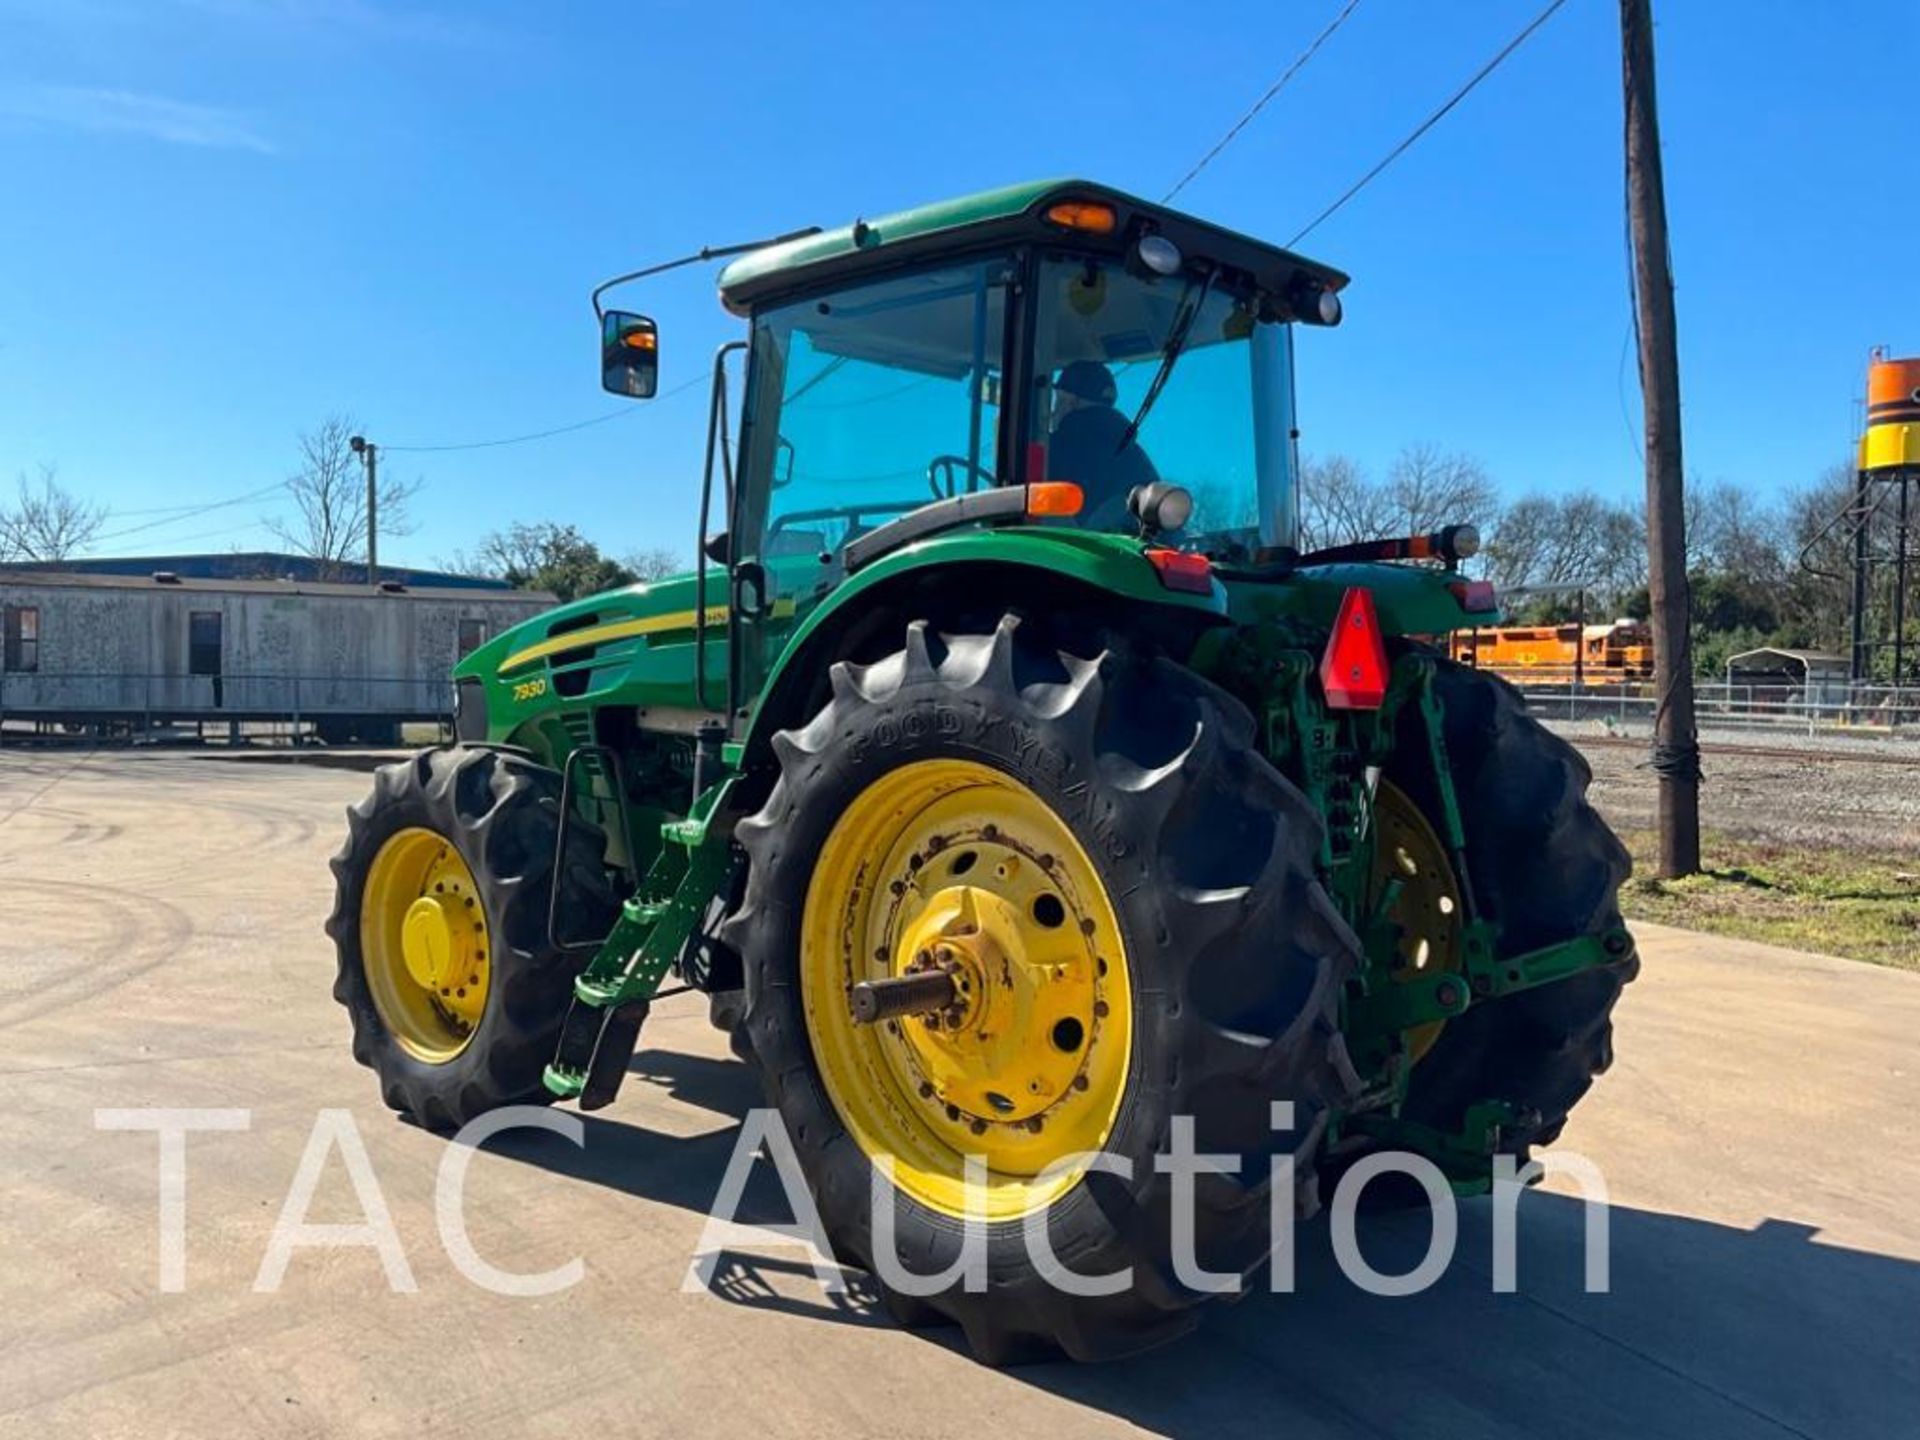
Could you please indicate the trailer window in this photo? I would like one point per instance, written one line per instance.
(22, 630)
(473, 634)
(203, 642)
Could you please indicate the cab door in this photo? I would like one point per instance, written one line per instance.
(862, 404)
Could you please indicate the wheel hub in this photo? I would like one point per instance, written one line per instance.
(966, 986)
(423, 940)
(995, 1054)
(437, 954)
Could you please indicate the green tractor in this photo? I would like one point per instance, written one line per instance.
(1011, 781)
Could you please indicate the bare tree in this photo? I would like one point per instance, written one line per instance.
(655, 563)
(329, 493)
(1425, 489)
(46, 522)
(1340, 505)
(1430, 488)
(1819, 523)
(1523, 548)
(1579, 539)
(1732, 531)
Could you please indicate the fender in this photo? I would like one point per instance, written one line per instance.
(1115, 565)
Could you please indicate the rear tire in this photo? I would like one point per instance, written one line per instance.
(1232, 954)
(499, 815)
(1546, 868)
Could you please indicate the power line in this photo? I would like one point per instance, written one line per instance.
(189, 506)
(175, 514)
(191, 512)
(1261, 104)
(537, 434)
(1431, 120)
(221, 532)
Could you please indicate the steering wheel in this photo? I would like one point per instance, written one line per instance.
(947, 469)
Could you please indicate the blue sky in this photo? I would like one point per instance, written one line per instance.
(225, 219)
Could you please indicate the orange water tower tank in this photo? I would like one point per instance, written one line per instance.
(1892, 439)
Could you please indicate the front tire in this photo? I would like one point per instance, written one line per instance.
(439, 924)
(1092, 843)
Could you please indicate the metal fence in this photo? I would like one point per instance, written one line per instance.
(1860, 708)
(146, 701)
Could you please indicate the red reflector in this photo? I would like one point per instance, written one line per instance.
(1353, 671)
(1183, 570)
(1476, 597)
(1036, 461)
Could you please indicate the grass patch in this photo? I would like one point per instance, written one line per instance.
(1862, 904)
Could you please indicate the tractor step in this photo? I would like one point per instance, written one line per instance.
(612, 994)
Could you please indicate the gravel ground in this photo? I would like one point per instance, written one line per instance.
(1835, 791)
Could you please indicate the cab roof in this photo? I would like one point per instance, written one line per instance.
(1012, 214)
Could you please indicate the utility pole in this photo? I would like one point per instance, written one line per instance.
(1676, 747)
(369, 456)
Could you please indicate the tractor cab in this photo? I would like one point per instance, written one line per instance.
(1055, 354)
(1064, 335)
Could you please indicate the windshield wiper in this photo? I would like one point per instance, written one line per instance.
(1169, 356)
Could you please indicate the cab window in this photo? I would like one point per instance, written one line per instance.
(871, 402)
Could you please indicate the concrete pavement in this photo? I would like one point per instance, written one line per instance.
(160, 945)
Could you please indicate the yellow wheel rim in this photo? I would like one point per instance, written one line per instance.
(423, 944)
(952, 864)
(1427, 912)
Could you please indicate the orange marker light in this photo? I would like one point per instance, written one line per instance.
(1054, 497)
(1353, 671)
(640, 340)
(1084, 215)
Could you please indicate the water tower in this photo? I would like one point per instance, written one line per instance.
(1889, 461)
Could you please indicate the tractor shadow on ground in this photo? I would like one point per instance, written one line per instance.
(671, 1169)
(1706, 1330)
(686, 1171)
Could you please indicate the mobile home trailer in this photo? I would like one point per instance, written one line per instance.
(355, 661)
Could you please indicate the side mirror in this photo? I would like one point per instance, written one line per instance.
(629, 355)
